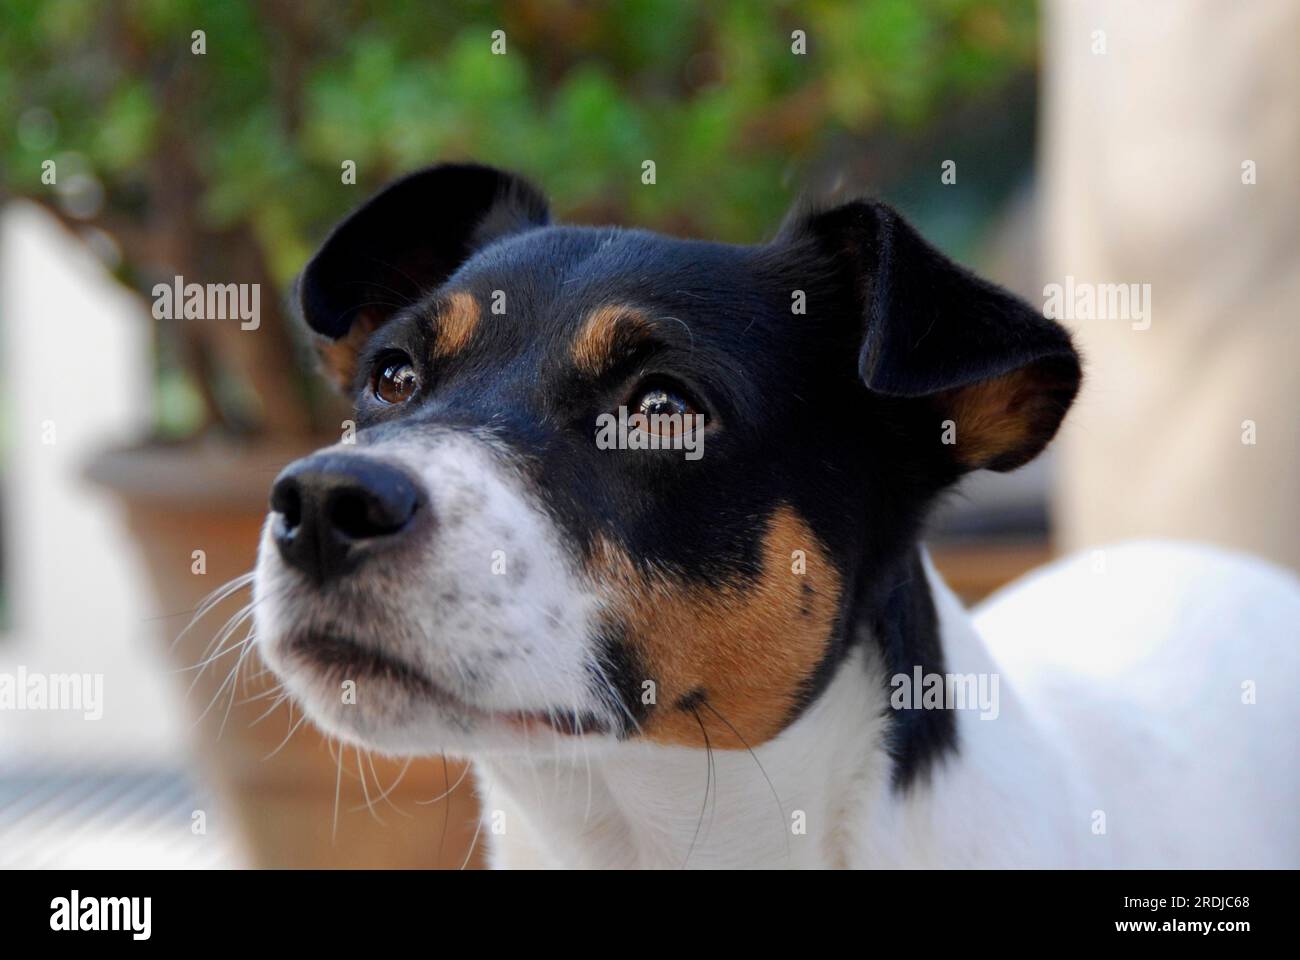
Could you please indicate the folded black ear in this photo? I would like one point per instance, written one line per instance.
(998, 375)
(403, 243)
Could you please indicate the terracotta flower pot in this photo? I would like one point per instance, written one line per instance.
(183, 498)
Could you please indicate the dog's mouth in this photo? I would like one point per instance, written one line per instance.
(339, 657)
(348, 659)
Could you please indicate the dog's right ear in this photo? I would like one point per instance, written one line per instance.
(400, 245)
(990, 376)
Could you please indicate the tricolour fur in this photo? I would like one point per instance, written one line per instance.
(666, 660)
(1122, 740)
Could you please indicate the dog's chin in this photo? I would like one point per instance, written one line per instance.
(366, 697)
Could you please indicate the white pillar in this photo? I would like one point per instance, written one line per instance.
(77, 377)
(1154, 113)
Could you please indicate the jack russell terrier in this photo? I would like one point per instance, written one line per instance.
(633, 522)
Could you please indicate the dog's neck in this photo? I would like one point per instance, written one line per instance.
(822, 794)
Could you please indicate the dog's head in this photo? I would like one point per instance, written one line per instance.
(617, 484)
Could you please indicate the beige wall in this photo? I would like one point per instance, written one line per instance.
(1143, 151)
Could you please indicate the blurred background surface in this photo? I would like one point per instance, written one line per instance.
(144, 141)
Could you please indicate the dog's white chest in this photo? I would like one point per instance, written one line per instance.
(1145, 720)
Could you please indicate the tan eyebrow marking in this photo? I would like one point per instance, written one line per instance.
(456, 324)
(605, 330)
(339, 357)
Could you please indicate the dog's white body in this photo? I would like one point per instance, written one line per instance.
(1147, 717)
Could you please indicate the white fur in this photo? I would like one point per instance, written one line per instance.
(491, 609)
(1120, 695)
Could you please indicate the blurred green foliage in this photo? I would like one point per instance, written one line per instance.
(251, 135)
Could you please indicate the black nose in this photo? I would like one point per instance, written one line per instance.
(335, 509)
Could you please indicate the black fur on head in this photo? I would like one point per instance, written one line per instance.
(903, 372)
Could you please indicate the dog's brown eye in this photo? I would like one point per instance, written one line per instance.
(662, 402)
(396, 382)
(665, 412)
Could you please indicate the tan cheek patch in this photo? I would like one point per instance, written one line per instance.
(456, 324)
(604, 331)
(732, 657)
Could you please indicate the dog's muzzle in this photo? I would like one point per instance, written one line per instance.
(333, 510)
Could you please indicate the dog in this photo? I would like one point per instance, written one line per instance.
(743, 658)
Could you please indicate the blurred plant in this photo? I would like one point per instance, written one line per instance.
(226, 166)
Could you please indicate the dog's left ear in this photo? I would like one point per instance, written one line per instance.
(402, 244)
(997, 374)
